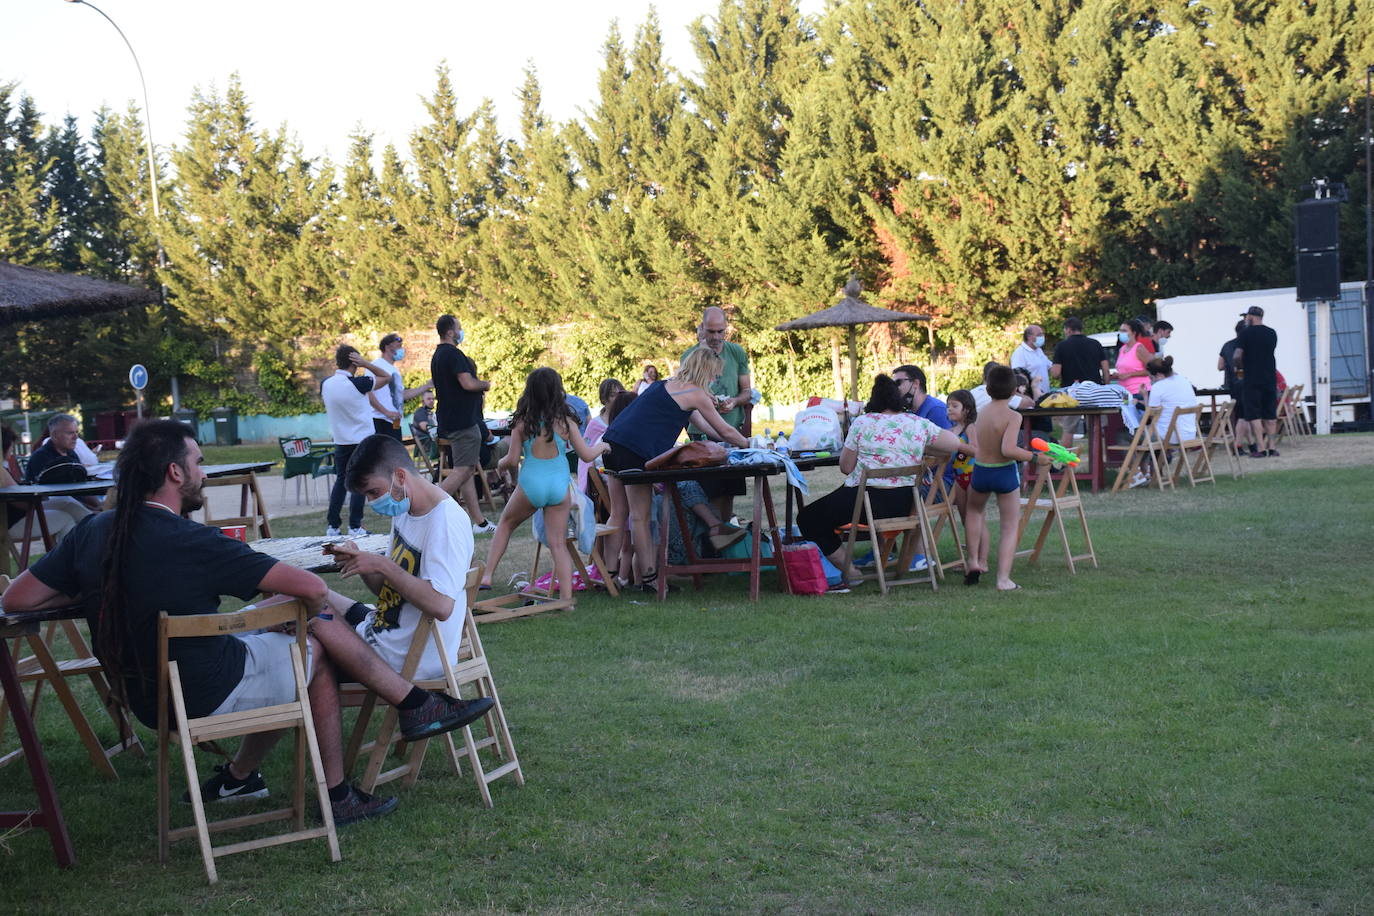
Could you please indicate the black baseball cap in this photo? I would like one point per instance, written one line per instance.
(1253, 310)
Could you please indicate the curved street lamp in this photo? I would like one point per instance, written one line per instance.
(152, 170)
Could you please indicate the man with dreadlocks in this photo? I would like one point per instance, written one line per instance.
(143, 557)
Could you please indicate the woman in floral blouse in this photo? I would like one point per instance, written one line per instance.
(884, 436)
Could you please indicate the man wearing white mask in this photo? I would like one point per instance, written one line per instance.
(1030, 356)
(1162, 331)
(388, 401)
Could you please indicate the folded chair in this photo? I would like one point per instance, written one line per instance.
(940, 508)
(464, 665)
(1192, 453)
(913, 530)
(174, 722)
(1145, 446)
(1057, 499)
(1222, 434)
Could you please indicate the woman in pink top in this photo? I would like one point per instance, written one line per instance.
(1131, 358)
(596, 426)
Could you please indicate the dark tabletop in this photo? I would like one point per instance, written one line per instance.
(1080, 411)
(229, 470)
(44, 490)
(722, 472)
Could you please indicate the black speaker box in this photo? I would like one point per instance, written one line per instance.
(1319, 275)
(1318, 224)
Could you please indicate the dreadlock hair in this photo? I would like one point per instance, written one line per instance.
(542, 404)
(141, 469)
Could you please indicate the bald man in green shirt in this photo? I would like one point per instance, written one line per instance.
(733, 386)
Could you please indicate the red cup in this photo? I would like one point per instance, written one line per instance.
(237, 532)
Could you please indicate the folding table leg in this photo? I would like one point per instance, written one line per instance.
(49, 813)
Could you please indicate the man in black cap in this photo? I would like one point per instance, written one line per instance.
(1254, 361)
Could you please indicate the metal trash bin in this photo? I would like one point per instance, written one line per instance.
(190, 418)
(226, 420)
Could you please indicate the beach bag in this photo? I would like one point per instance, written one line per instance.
(815, 429)
(701, 453)
(802, 564)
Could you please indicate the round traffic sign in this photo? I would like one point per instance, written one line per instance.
(138, 377)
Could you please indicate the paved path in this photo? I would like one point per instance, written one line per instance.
(224, 501)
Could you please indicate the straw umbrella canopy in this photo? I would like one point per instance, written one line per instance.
(32, 294)
(849, 313)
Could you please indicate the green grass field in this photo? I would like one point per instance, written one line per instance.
(1186, 729)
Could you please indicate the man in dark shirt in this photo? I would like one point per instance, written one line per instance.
(1226, 363)
(1254, 360)
(56, 462)
(159, 561)
(1077, 358)
(460, 411)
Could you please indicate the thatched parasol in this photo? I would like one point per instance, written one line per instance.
(849, 312)
(31, 294)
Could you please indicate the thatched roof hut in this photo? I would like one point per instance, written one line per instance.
(32, 294)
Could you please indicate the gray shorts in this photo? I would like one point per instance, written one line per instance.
(267, 676)
(465, 444)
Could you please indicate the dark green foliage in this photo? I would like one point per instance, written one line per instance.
(988, 163)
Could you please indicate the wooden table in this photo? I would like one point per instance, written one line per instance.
(48, 814)
(32, 496)
(1212, 393)
(1097, 446)
(697, 566)
(306, 553)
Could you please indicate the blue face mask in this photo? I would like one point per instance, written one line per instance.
(1123, 336)
(1040, 341)
(390, 506)
(460, 335)
(400, 355)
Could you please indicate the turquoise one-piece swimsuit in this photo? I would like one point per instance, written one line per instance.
(545, 480)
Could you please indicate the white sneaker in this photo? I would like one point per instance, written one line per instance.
(485, 528)
(1139, 480)
(332, 532)
(358, 532)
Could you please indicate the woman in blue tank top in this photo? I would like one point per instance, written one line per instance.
(649, 427)
(542, 428)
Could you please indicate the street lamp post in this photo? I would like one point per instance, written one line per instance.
(152, 170)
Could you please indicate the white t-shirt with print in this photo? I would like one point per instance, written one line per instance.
(436, 547)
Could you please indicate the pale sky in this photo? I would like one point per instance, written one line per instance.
(323, 68)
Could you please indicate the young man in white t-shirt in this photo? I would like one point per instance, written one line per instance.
(425, 572)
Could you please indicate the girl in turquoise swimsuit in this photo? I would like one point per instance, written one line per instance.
(542, 429)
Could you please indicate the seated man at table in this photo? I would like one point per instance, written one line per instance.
(128, 564)
(425, 572)
(56, 461)
(61, 514)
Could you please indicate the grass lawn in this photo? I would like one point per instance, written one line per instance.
(1187, 728)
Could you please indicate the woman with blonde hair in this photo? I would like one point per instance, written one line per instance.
(649, 427)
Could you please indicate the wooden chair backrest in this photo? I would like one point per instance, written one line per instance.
(910, 470)
(1195, 412)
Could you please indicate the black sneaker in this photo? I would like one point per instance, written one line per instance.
(441, 713)
(359, 806)
(223, 787)
(1273, 453)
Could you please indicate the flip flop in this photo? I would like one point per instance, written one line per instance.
(971, 578)
(1014, 588)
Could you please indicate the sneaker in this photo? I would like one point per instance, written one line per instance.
(864, 562)
(1139, 480)
(332, 532)
(1256, 453)
(359, 532)
(1273, 453)
(441, 713)
(919, 563)
(485, 528)
(220, 788)
(359, 806)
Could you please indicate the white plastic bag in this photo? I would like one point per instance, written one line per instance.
(815, 429)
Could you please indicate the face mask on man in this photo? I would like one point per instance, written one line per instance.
(399, 355)
(460, 335)
(389, 505)
(1040, 342)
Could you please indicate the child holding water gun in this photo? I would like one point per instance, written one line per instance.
(542, 428)
(995, 470)
(963, 413)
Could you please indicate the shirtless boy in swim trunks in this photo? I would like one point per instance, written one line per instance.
(995, 471)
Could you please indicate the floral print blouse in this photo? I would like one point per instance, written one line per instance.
(888, 440)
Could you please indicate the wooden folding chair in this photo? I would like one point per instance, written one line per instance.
(579, 563)
(257, 522)
(1303, 423)
(1145, 446)
(913, 530)
(295, 714)
(1058, 499)
(1199, 466)
(467, 666)
(940, 508)
(1222, 434)
(42, 668)
(1291, 414)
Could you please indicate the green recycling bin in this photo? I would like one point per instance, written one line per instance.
(226, 420)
